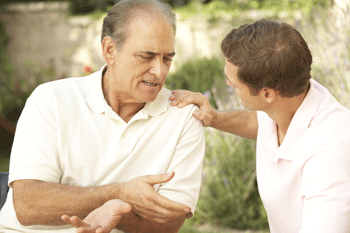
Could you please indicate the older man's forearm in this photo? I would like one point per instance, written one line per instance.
(43, 203)
(131, 223)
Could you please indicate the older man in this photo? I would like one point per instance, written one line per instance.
(107, 139)
(302, 132)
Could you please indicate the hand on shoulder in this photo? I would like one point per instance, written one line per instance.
(206, 113)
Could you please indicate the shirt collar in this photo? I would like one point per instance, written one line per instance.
(159, 105)
(98, 104)
(301, 121)
(94, 97)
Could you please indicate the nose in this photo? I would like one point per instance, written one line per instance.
(159, 69)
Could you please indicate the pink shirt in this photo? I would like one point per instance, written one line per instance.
(305, 183)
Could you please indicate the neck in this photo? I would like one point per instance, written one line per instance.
(119, 102)
(283, 112)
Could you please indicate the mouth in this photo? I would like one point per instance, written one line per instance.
(150, 83)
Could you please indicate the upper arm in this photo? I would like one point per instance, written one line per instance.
(186, 162)
(35, 150)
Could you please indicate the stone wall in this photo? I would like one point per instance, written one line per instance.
(45, 35)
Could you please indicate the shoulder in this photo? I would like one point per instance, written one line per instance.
(62, 86)
(327, 138)
(330, 123)
(189, 109)
(182, 117)
(67, 92)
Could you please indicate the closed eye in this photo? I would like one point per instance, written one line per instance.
(168, 59)
(145, 57)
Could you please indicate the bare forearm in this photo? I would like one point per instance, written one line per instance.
(243, 123)
(43, 203)
(131, 223)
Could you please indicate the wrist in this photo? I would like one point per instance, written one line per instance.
(215, 119)
(109, 192)
(118, 190)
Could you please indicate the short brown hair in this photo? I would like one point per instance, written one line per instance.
(116, 23)
(269, 54)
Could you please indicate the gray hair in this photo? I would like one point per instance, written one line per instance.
(116, 23)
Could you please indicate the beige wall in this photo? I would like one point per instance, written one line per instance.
(44, 34)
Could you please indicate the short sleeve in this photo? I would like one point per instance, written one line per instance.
(187, 163)
(34, 153)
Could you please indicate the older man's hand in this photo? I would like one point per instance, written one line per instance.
(148, 203)
(101, 220)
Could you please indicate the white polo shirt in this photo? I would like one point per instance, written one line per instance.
(68, 134)
(305, 183)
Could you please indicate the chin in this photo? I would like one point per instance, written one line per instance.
(149, 99)
(246, 107)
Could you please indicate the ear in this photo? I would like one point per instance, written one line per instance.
(108, 50)
(268, 94)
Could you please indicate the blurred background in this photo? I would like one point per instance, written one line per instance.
(48, 40)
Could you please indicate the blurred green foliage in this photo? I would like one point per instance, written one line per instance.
(328, 37)
(6, 72)
(193, 6)
(235, 7)
(229, 195)
(76, 6)
(14, 90)
(198, 75)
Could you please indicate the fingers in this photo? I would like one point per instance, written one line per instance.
(147, 203)
(160, 209)
(108, 224)
(118, 207)
(189, 215)
(206, 113)
(182, 98)
(100, 220)
(163, 215)
(158, 179)
(197, 114)
(74, 221)
(170, 205)
(161, 201)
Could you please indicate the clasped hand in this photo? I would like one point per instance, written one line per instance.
(147, 203)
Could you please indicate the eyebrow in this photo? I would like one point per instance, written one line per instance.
(155, 54)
